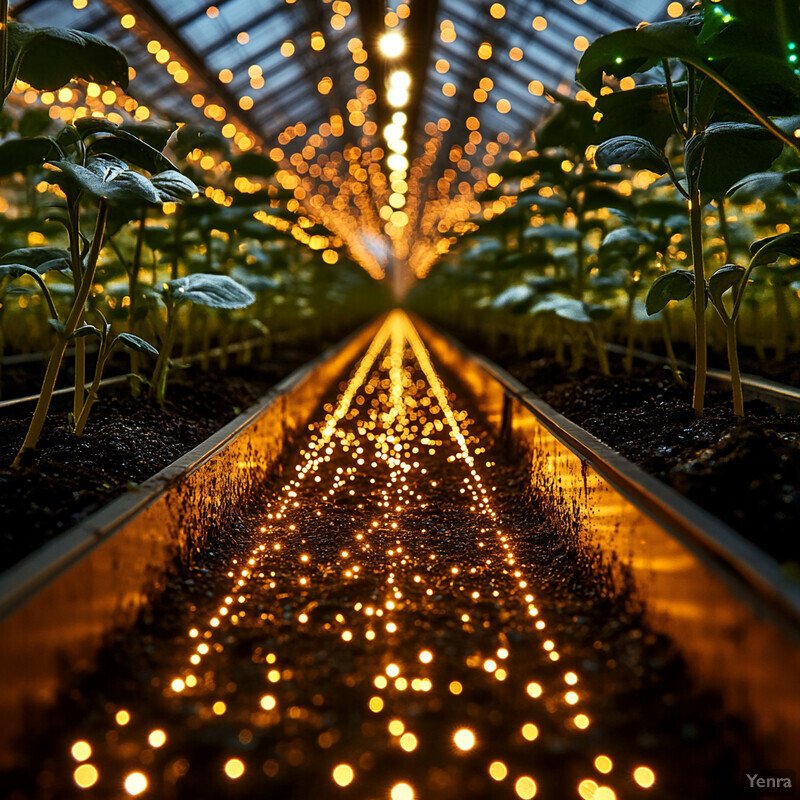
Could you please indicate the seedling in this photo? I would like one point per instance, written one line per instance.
(211, 291)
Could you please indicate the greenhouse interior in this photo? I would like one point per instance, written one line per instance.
(400, 400)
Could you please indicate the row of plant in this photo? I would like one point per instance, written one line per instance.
(153, 237)
(642, 209)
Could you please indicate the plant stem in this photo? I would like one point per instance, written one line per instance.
(580, 277)
(733, 364)
(91, 397)
(627, 362)
(159, 386)
(77, 278)
(3, 50)
(666, 330)
(673, 100)
(57, 356)
(600, 349)
(700, 337)
(133, 290)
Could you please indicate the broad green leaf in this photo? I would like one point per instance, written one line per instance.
(122, 185)
(632, 50)
(41, 259)
(253, 165)
(34, 122)
(675, 285)
(48, 58)
(136, 343)
(626, 237)
(214, 291)
(769, 250)
(513, 298)
(726, 152)
(571, 126)
(553, 233)
(632, 151)
(642, 111)
(722, 280)
(16, 155)
(191, 137)
(761, 184)
(173, 187)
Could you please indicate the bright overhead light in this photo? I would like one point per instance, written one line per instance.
(397, 97)
(400, 79)
(392, 44)
(393, 131)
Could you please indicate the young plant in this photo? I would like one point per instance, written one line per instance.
(98, 174)
(48, 58)
(107, 344)
(680, 284)
(723, 59)
(211, 291)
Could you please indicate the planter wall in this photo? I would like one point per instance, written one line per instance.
(727, 606)
(58, 606)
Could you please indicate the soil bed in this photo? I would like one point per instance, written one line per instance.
(746, 473)
(380, 611)
(126, 441)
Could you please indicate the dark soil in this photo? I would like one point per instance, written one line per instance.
(126, 441)
(747, 474)
(316, 637)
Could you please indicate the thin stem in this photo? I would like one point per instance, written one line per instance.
(3, 49)
(91, 397)
(761, 117)
(159, 387)
(733, 364)
(700, 340)
(673, 100)
(666, 331)
(57, 356)
(627, 362)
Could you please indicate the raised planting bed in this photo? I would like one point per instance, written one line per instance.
(58, 604)
(747, 473)
(126, 441)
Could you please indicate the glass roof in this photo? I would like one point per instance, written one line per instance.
(306, 81)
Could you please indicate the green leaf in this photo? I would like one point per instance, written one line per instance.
(632, 50)
(722, 280)
(85, 330)
(105, 178)
(48, 58)
(131, 149)
(214, 291)
(554, 233)
(41, 259)
(17, 155)
(57, 326)
(191, 137)
(513, 298)
(761, 184)
(34, 122)
(769, 250)
(632, 151)
(253, 165)
(571, 126)
(675, 285)
(136, 343)
(173, 187)
(626, 238)
(642, 111)
(726, 152)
